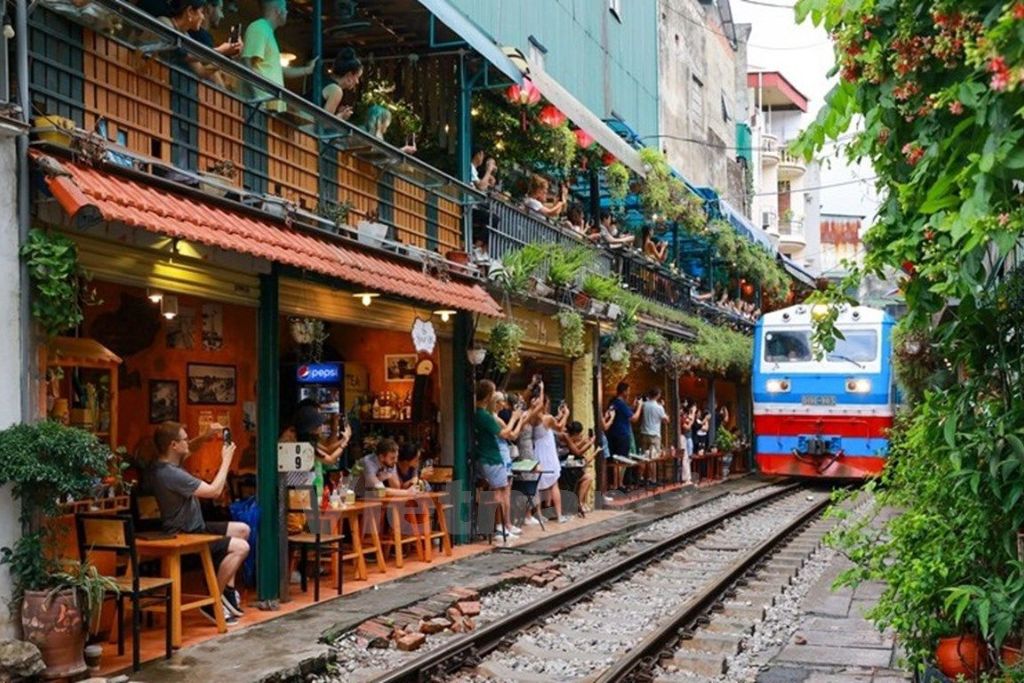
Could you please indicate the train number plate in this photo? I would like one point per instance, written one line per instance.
(818, 400)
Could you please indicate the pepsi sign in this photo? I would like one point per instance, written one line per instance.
(319, 373)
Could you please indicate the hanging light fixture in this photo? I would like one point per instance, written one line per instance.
(445, 314)
(169, 307)
(583, 138)
(154, 295)
(524, 95)
(366, 297)
(551, 117)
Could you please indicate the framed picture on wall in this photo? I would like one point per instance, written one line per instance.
(400, 367)
(163, 400)
(210, 384)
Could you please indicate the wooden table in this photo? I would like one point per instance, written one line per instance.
(354, 513)
(170, 551)
(421, 503)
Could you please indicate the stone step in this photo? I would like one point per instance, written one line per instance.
(696, 663)
(714, 643)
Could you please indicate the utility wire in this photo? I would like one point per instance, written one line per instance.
(818, 187)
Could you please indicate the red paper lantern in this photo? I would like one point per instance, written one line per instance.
(551, 117)
(583, 138)
(525, 95)
(748, 289)
(608, 159)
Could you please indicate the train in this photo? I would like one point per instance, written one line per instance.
(824, 417)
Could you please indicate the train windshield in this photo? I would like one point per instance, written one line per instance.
(787, 346)
(794, 346)
(859, 346)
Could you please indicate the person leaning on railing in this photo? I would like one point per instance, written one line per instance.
(193, 17)
(344, 72)
(261, 51)
(538, 195)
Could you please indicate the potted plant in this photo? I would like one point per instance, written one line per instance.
(506, 338)
(45, 463)
(519, 267)
(616, 176)
(565, 264)
(219, 179)
(571, 325)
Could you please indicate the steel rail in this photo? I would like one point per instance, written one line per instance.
(635, 664)
(466, 651)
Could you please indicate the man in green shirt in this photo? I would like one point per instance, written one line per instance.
(490, 465)
(262, 53)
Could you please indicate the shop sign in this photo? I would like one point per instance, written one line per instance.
(319, 373)
(424, 337)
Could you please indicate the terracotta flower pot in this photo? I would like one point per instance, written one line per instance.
(961, 655)
(1010, 653)
(56, 626)
(582, 301)
(460, 257)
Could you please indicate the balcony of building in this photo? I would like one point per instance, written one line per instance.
(791, 235)
(123, 90)
(769, 150)
(791, 166)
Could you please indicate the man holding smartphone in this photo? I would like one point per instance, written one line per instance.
(213, 14)
(178, 492)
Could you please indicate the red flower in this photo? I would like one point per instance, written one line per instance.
(913, 152)
(1000, 74)
(908, 267)
(1018, 11)
(956, 107)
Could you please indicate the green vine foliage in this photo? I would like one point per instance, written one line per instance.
(748, 259)
(938, 87)
(56, 276)
(570, 323)
(504, 344)
(616, 176)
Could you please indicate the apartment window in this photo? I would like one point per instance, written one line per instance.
(615, 7)
(726, 114)
(696, 105)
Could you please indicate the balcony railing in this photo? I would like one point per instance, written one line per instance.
(133, 90)
(130, 87)
(769, 149)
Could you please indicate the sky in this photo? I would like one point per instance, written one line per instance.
(803, 53)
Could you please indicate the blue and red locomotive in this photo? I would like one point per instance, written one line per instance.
(826, 418)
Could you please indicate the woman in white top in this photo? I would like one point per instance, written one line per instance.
(545, 449)
(538, 194)
(345, 72)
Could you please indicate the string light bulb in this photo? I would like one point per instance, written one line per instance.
(154, 295)
(366, 297)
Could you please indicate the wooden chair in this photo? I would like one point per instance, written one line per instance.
(145, 513)
(317, 536)
(115, 533)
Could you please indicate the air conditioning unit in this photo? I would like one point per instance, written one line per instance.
(767, 219)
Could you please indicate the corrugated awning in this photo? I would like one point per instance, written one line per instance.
(797, 273)
(475, 36)
(82, 190)
(744, 227)
(577, 112)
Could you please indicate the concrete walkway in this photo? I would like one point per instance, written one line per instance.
(834, 643)
(288, 647)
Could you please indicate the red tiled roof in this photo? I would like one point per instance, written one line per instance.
(118, 198)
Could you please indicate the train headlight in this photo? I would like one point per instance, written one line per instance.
(777, 386)
(858, 386)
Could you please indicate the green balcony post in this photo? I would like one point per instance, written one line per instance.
(462, 441)
(268, 560)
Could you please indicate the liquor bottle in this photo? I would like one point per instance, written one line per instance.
(376, 407)
(408, 406)
(385, 406)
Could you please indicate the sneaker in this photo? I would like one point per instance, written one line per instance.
(512, 529)
(507, 531)
(563, 519)
(296, 577)
(207, 611)
(232, 601)
(531, 521)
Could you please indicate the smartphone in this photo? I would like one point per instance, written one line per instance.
(226, 435)
(561, 404)
(236, 33)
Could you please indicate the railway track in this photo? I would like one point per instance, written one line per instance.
(622, 621)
